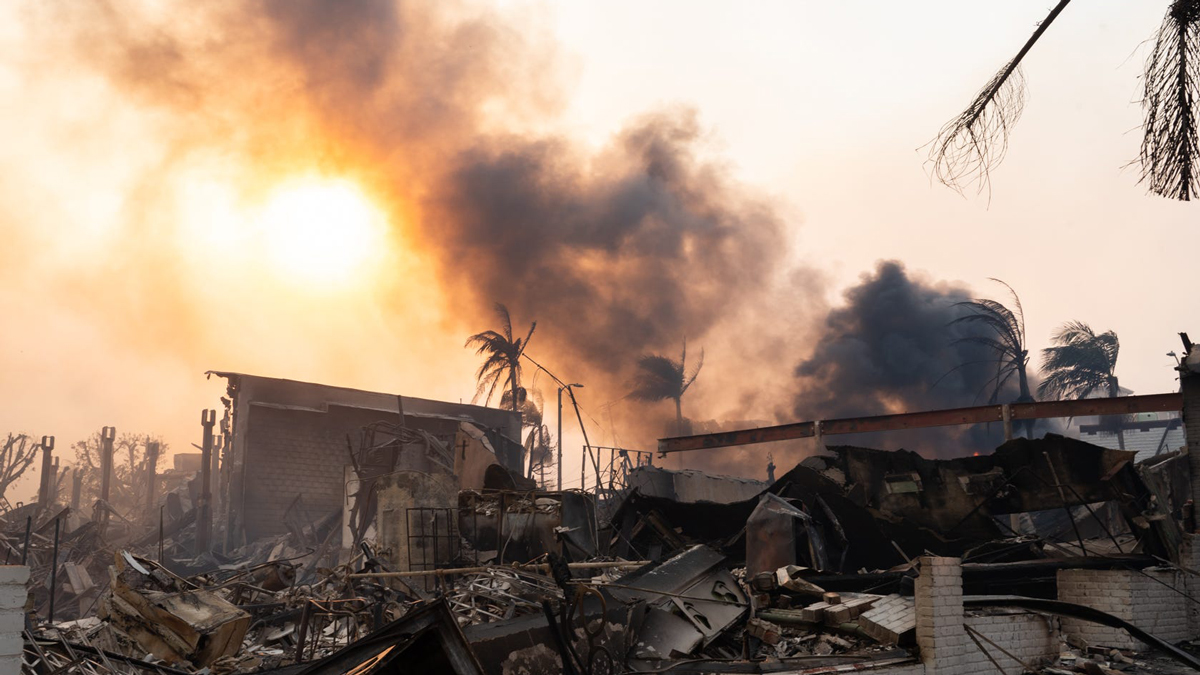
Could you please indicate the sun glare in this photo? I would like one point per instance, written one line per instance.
(325, 232)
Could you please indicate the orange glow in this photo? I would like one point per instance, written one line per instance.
(322, 232)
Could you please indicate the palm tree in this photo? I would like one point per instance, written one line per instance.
(660, 377)
(1081, 363)
(972, 144)
(502, 364)
(1006, 342)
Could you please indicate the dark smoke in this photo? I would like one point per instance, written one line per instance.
(616, 252)
(892, 349)
(615, 255)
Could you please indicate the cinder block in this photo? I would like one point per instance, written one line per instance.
(13, 597)
(14, 574)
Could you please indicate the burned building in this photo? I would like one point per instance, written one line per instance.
(283, 438)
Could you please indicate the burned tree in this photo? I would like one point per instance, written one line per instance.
(502, 364)
(660, 378)
(17, 455)
(1005, 340)
(130, 470)
(1080, 364)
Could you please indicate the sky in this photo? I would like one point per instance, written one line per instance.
(145, 174)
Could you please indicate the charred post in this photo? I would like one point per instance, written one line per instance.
(152, 449)
(208, 419)
(107, 436)
(47, 481)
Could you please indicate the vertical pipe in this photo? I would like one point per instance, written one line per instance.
(215, 474)
(107, 435)
(54, 572)
(559, 437)
(28, 529)
(303, 632)
(208, 418)
(152, 449)
(160, 533)
(1006, 415)
(54, 476)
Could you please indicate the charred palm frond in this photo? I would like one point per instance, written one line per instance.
(1006, 341)
(502, 363)
(1170, 155)
(972, 144)
(1080, 363)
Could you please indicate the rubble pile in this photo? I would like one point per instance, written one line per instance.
(816, 571)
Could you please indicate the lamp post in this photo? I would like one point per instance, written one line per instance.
(558, 461)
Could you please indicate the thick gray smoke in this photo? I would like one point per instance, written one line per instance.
(892, 349)
(446, 113)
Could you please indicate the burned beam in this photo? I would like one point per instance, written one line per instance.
(1121, 405)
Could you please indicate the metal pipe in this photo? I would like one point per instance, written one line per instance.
(536, 567)
(54, 572)
(559, 438)
(28, 529)
(107, 435)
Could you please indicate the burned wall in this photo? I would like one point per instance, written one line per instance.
(297, 452)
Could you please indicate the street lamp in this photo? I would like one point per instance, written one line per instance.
(559, 460)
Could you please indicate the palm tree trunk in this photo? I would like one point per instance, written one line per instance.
(679, 423)
(679, 416)
(1114, 390)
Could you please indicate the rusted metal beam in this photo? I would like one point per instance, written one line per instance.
(1122, 405)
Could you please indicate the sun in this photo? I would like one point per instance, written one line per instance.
(322, 231)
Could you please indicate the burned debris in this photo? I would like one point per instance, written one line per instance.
(439, 555)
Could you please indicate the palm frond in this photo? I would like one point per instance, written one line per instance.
(1020, 313)
(1170, 153)
(505, 320)
(691, 377)
(1079, 363)
(972, 144)
(657, 378)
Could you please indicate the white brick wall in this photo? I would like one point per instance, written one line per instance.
(12, 616)
(1032, 638)
(1148, 600)
(946, 648)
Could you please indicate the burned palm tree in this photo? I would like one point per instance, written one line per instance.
(660, 378)
(502, 362)
(1005, 340)
(972, 144)
(1170, 145)
(1080, 364)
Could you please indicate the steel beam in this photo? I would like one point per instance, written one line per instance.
(1121, 405)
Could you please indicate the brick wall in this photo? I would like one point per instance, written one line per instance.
(13, 594)
(290, 452)
(1149, 601)
(947, 649)
(940, 634)
(1032, 638)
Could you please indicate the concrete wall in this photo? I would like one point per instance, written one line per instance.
(1149, 601)
(13, 594)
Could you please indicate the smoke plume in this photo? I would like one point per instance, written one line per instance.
(446, 115)
(892, 349)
